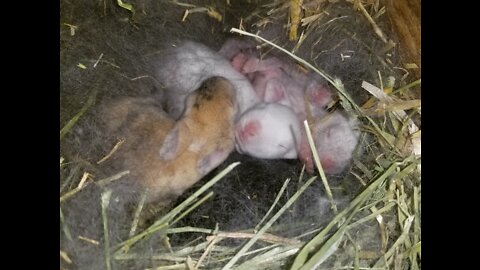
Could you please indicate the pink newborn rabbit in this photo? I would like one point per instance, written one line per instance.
(276, 81)
(280, 82)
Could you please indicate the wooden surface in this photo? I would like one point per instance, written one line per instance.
(405, 17)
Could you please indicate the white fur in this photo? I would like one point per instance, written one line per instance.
(336, 137)
(182, 69)
(279, 134)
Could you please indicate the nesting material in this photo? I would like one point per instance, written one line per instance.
(243, 213)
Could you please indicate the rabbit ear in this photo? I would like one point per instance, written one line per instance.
(211, 161)
(274, 92)
(169, 148)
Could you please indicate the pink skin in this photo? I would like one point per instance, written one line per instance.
(275, 81)
(328, 164)
(250, 129)
(238, 61)
(264, 130)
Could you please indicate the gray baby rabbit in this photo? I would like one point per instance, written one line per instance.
(182, 69)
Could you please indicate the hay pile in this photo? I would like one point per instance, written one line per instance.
(255, 214)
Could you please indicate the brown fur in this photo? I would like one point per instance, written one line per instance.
(168, 157)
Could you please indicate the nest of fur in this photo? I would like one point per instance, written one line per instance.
(255, 214)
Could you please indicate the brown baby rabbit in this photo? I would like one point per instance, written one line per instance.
(168, 157)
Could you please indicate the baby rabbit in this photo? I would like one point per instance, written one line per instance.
(168, 157)
(336, 136)
(278, 81)
(182, 69)
(268, 131)
(272, 130)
